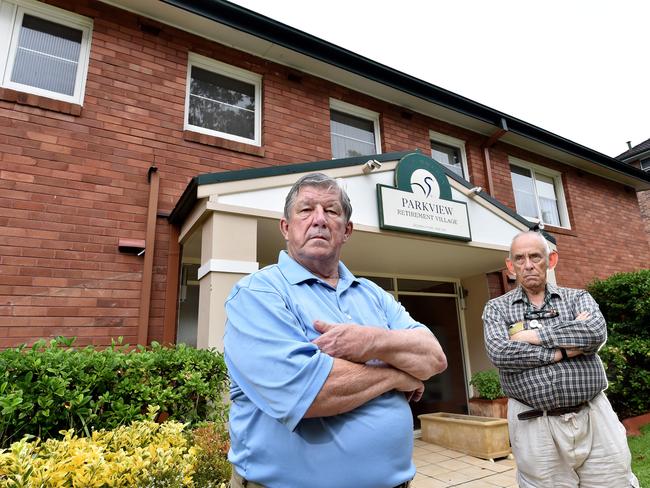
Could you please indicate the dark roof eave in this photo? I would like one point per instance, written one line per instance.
(634, 156)
(258, 25)
(185, 203)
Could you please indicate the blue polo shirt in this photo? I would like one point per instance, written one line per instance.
(276, 372)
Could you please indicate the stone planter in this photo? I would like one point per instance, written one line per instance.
(482, 437)
(489, 408)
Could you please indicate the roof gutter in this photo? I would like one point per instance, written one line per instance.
(263, 27)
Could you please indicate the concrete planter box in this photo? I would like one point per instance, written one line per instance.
(482, 437)
(489, 408)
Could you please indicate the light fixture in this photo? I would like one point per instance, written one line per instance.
(475, 191)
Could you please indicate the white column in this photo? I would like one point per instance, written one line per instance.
(228, 252)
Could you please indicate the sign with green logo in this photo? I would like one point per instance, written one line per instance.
(421, 201)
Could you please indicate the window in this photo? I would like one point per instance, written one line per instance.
(645, 164)
(45, 51)
(538, 193)
(223, 101)
(450, 152)
(354, 130)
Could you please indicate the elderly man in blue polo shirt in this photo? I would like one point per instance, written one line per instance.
(544, 339)
(322, 364)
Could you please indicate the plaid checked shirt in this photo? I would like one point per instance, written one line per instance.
(529, 372)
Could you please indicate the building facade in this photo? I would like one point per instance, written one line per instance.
(146, 147)
(639, 157)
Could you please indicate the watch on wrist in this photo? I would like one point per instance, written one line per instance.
(564, 354)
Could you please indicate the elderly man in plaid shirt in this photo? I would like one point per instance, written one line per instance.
(544, 339)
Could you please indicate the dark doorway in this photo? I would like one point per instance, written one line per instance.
(445, 392)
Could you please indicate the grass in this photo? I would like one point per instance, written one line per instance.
(640, 448)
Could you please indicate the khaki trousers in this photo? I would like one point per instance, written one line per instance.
(587, 449)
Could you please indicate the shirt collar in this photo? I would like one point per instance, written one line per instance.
(519, 295)
(296, 273)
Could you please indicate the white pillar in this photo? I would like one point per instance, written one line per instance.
(228, 252)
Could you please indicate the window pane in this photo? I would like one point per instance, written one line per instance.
(448, 156)
(47, 55)
(221, 103)
(522, 185)
(351, 136)
(547, 199)
(381, 281)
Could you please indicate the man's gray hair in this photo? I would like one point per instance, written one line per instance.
(318, 180)
(538, 235)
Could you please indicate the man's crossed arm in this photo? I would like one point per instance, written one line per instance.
(405, 357)
(531, 336)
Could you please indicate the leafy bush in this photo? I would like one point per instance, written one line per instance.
(624, 299)
(487, 384)
(143, 454)
(212, 465)
(627, 362)
(54, 387)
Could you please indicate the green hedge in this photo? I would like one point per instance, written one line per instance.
(54, 386)
(627, 362)
(624, 299)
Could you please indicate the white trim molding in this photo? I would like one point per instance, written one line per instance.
(227, 266)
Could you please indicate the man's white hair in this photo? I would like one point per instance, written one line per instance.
(538, 236)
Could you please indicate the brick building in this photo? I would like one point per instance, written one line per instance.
(145, 148)
(639, 157)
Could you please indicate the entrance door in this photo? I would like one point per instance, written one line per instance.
(445, 392)
(434, 304)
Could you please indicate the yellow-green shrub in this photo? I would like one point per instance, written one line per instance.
(143, 454)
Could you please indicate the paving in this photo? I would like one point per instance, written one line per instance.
(438, 467)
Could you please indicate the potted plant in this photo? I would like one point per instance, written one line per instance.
(490, 401)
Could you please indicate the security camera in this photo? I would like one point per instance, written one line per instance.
(370, 165)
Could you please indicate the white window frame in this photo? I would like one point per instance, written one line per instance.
(11, 19)
(362, 113)
(230, 71)
(644, 165)
(455, 143)
(557, 183)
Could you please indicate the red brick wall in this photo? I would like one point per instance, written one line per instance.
(495, 284)
(73, 181)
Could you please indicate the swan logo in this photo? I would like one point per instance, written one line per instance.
(423, 183)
